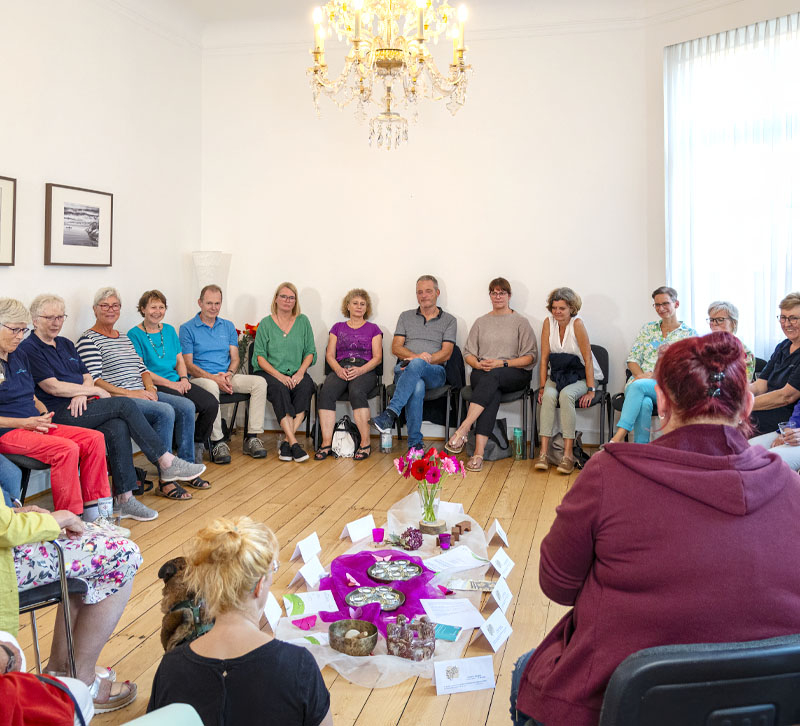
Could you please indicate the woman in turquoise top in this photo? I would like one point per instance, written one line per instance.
(282, 354)
(640, 389)
(158, 346)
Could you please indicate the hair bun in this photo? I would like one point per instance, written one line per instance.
(720, 350)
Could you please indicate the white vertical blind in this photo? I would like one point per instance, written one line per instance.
(732, 131)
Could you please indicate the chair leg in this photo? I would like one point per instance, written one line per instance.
(36, 642)
(447, 418)
(26, 478)
(65, 608)
(524, 424)
(534, 428)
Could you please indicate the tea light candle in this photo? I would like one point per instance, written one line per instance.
(377, 535)
(444, 540)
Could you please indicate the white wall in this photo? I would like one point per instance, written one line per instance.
(96, 96)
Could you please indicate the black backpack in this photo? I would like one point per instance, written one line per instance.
(346, 438)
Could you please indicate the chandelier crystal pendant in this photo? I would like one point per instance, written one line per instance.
(388, 62)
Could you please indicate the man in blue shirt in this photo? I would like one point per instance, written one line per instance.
(210, 348)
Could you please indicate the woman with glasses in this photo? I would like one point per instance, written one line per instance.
(236, 673)
(111, 359)
(640, 388)
(65, 386)
(568, 373)
(501, 350)
(723, 317)
(777, 388)
(283, 352)
(77, 456)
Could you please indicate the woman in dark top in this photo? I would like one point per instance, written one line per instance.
(777, 387)
(237, 675)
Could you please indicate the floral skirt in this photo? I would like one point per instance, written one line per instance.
(105, 562)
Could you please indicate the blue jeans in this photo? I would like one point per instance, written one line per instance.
(184, 423)
(409, 393)
(10, 481)
(517, 717)
(161, 416)
(637, 408)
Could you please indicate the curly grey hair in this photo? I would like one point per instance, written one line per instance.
(41, 301)
(727, 307)
(13, 311)
(104, 293)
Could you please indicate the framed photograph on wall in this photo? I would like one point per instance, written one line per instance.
(8, 219)
(78, 225)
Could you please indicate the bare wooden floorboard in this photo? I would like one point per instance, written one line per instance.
(295, 500)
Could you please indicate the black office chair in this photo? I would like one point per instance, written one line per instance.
(524, 396)
(755, 683)
(52, 594)
(602, 398)
(27, 465)
(761, 364)
(379, 392)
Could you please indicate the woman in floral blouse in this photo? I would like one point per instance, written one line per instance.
(640, 389)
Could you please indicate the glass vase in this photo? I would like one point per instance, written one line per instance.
(429, 497)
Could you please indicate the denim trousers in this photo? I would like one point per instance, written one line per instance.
(171, 416)
(119, 420)
(10, 481)
(409, 393)
(637, 408)
(518, 718)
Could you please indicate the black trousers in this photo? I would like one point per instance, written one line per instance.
(288, 401)
(206, 406)
(487, 387)
(358, 390)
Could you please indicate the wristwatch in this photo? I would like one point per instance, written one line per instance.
(505, 364)
(590, 389)
(12, 658)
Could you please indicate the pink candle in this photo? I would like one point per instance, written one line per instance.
(377, 535)
(444, 540)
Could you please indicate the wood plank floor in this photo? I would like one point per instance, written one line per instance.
(296, 499)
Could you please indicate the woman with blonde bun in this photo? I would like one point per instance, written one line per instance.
(236, 674)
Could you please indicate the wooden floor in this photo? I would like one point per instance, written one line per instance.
(296, 499)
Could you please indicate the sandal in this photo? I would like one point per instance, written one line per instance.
(198, 483)
(322, 453)
(362, 452)
(99, 671)
(475, 463)
(456, 444)
(177, 491)
(106, 701)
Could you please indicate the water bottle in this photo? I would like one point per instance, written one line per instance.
(518, 444)
(386, 442)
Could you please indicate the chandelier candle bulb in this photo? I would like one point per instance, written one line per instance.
(319, 39)
(421, 20)
(462, 17)
(357, 6)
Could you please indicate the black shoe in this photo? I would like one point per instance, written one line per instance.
(285, 451)
(299, 453)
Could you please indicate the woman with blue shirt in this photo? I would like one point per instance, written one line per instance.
(158, 346)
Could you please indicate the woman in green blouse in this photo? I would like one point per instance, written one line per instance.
(282, 354)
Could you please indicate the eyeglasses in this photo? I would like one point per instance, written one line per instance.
(17, 332)
(105, 307)
(288, 298)
(659, 306)
(716, 321)
(53, 318)
(275, 565)
(791, 320)
(498, 293)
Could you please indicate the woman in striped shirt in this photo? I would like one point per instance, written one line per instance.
(115, 367)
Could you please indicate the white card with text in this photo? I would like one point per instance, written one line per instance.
(307, 548)
(496, 529)
(272, 611)
(464, 674)
(452, 509)
(502, 594)
(359, 529)
(458, 611)
(496, 629)
(309, 603)
(502, 562)
(312, 572)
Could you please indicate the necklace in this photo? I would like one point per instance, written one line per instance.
(152, 344)
(281, 328)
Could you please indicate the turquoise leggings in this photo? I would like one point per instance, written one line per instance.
(640, 398)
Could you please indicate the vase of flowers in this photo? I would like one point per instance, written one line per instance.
(429, 469)
(246, 336)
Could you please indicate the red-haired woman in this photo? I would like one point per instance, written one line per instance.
(654, 545)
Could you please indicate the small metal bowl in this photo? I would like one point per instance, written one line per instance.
(353, 646)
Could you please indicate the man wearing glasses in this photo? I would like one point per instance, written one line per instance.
(210, 348)
(423, 342)
(777, 388)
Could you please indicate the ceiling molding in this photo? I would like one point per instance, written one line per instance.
(181, 32)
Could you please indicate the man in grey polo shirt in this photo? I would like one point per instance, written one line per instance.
(423, 342)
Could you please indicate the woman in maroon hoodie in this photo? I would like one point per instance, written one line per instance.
(689, 539)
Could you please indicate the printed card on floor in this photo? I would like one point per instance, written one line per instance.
(502, 594)
(450, 509)
(496, 529)
(459, 612)
(312, 572)
(496, 629)
(272, 611)
(312, 639)
(302, 604)
(359, 529)
(502, 562)
(458, 558)
(464, 674)
(307, 548)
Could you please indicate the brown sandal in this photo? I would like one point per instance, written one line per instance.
(456, 444)
(475, 463)
(106, 701)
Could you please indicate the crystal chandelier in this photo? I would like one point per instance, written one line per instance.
(385, 66)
